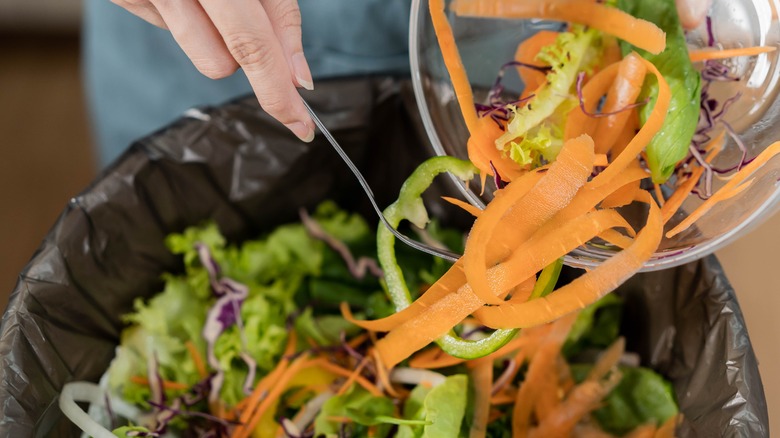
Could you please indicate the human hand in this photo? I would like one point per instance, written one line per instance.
(692, 12)
(261, 37)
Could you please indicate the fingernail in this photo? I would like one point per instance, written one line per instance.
(302, 72)
(302, 131)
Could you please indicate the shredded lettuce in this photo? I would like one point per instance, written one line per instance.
(543, 141)
(276, 269)
(534, 130)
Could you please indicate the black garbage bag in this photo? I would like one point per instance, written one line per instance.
(235, 165)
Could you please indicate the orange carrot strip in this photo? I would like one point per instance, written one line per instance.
(548, 398)
(628, 133)
(588, 430)
(449, 282)
(531, 208)
(624, 91)
(714, 147)
(526, 53)
(612, 21)
(583, 399)
(472, 210)
(503, 398)
(622, 196)
(382, 374)
(612, 53)
(608, 360)
(352, 376)
(645, 134)
(565, 379)
(659, 195)
(585, 289)
(482, 151)
(600, 160)
(357, 340)
(279, 385)
(454, 64)
(666, 430)
(167, 384)
(616, 238)
(524, 290)
(542, 250)
(481, 145)
(482, 379)
(588, 197)
(644, 431)
(420, 331)
(680, 194)
(442, 315)
(250, 403)
(707, 54)
(763, 158)
(734, 191)
(543, 360)
(433, 358)
(577, 121)
(196, 359)
(329, 366)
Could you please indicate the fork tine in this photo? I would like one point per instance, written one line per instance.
(447, 255)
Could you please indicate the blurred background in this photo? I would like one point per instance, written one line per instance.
(47, 157)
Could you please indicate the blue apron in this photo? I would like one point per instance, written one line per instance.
(137, 78)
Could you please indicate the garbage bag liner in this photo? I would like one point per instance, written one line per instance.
(237, 166)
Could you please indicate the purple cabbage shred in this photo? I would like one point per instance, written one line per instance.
(711, 115)
(225, 313)
(357, 268)
(500, 184)
(497, 109)
(581, 80)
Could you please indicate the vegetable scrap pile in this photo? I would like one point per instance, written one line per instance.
(262, 340)
(284, 362)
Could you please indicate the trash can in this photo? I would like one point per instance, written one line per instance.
(237, 166)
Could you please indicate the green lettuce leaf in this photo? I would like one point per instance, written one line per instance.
(597, 326)
(445, 407)
(441, 409)
(642, 396)
(671, 143)
(358, 405)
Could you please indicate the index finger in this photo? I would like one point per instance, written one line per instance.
(249, 36)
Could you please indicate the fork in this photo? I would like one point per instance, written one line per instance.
(442, 253)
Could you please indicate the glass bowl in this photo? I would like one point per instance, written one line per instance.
(486, 44)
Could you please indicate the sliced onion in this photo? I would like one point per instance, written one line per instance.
(310, 410)
(83, 392)
(416, 376)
